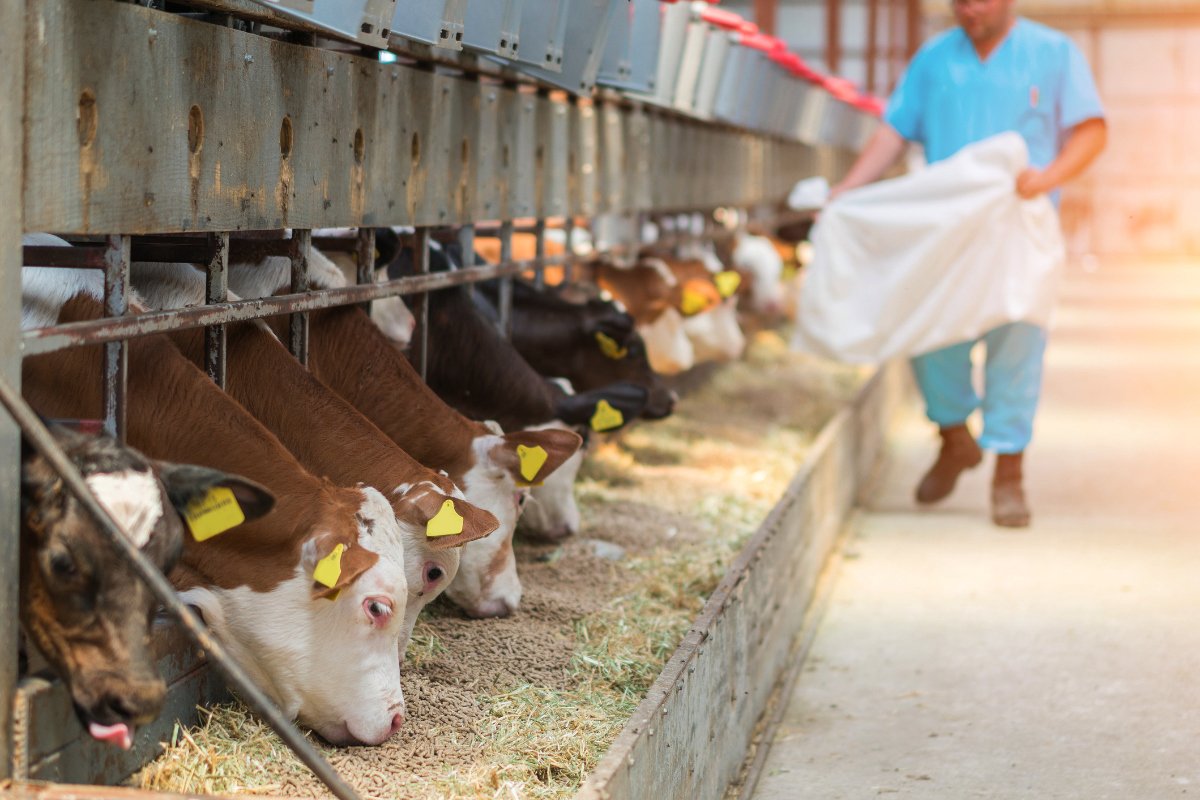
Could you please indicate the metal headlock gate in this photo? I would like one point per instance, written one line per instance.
(147, 135)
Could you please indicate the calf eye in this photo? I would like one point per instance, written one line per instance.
(378, 610)
(433, 573)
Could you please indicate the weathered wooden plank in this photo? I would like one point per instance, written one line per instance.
(48, 724)
(688, 737)
(12, 40)
(177, 125)
(81, 759)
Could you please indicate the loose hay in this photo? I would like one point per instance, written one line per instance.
(525, 707)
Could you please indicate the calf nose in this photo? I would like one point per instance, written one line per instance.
(397, 723)
(136, 703)
(490, 608)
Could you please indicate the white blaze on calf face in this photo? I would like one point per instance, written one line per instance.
(487, 584)
(333, 664)
(428, 572)
(132, 499)
(667, 345)
(715, 334)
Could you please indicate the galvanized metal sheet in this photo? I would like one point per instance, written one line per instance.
(493, 26)
(688, 738)
(364, 21)
(12, 35)
(435, 22)
(587, 28)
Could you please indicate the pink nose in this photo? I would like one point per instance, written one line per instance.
(397, 723)
(490, 608)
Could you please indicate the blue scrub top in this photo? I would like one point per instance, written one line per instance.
(1036, 82)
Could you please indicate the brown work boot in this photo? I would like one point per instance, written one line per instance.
(1009, 509)
(959, 453)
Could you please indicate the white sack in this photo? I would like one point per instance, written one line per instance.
(942, 256)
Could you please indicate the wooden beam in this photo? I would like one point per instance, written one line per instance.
(872, 44)
(764, 15)
(833, 34)
(913, 27)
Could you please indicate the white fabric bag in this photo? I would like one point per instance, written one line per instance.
(941, 256)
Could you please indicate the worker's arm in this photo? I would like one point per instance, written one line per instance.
(1085, 142)
(876, 158)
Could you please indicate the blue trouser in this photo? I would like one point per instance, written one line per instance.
(1012, 384)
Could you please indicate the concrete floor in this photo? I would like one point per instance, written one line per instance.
(959, 660)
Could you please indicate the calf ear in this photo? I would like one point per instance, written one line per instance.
(189, 483)
(606, 409)
(613, 324)
(446, 522)
(334, 563)
(531, 456)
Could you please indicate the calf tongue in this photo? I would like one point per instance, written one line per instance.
(117, 735)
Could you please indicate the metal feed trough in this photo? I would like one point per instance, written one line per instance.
(367, 22)
(184, 176)
(493, 27)
(434, 22)
(588, 24)
(631, 53)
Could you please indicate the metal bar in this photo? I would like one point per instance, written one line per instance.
(421, 334)
(506, 288)
(539, 260)
(12, 148)
(364, 259)
(41, 439)
(569, 231)
(116, 354)
(465, 236)
(298, 324)
(59, 337)
(216, 290)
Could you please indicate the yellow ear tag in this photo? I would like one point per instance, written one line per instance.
(329, 568)
(532, 459)
(693, 302)
(609, 346)
(727, 282)
(447, 522)
(606, 417)
(216, 512)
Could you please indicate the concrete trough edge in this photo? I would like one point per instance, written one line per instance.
(690, 735)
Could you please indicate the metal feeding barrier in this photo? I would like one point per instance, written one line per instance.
(203, 136)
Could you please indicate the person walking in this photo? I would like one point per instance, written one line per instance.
(995, 72)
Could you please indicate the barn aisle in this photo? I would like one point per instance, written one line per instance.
(958, 660)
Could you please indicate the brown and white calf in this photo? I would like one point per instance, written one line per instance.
(328, 653)
(82, 604)
(349, 354)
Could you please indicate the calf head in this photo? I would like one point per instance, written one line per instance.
(505, 465)
(320, 627)
(82, 604)
(551, 513)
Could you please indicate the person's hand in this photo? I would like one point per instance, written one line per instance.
(1031, 183)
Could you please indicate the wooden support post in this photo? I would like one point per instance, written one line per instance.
(216, 290)
(12, 105)
(872, 46)
(764, 15)
(833, 35)
(116, 354)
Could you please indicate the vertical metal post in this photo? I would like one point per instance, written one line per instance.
(539, 253)
(12, 104)
(364, 259)
(298, 326)
(466, 243)
(421, 334)
(116, 354)
(569, 266)
(506, 233)
(216, 290)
